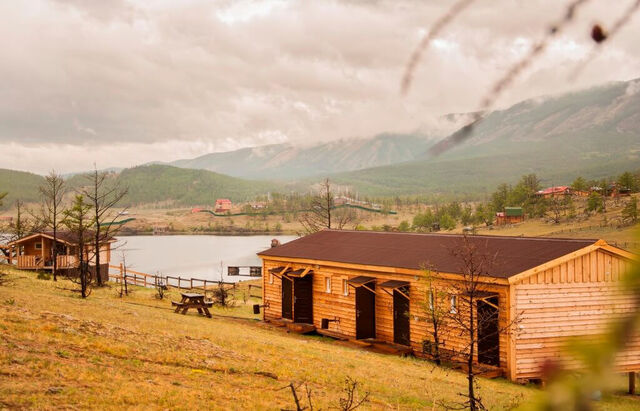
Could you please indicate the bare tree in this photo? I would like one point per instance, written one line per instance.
(475, 263)
(352, 400)
(52, 192)
(103, 195)
(434, 305)
(323, 213)
(556, 207)
(22, 225)
(79, 221)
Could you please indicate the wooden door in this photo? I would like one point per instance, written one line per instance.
(303, 300)
(400, 319)
(287, 298)
(488, 332)
(365, 312)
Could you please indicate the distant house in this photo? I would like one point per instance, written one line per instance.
(257, 205)
(6, 219)
(223, 205)
(616, 190)
(510, 215)
(558, 191)
(35, 252)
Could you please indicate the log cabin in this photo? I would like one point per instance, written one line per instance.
(369, 285)
(35, 252)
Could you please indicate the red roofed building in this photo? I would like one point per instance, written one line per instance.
(555, 191)
(223, 205)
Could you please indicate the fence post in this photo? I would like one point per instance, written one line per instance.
(121, 272)
(145, 281)
(179, 283)
(191, 284)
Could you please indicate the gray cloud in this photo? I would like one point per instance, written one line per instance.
(101, 80)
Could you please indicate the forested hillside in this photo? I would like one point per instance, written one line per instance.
(155, 184)
(19, 185)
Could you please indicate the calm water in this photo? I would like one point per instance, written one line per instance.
(192, 256)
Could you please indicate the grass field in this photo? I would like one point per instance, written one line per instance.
(58, 351)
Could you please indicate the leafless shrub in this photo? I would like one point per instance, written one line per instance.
(351, 399)
(297, 400)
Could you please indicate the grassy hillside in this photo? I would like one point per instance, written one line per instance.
(105, 352)
(19, 185)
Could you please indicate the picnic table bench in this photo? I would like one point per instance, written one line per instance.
(192, 300)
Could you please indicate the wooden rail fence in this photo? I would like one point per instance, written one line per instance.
(150, 280)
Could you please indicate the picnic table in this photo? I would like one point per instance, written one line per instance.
(193, 300)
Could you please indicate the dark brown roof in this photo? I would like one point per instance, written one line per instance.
(66, 236)
(410, 250)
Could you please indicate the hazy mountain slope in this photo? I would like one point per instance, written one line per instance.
(593, 133)
(176, 186)
(19, 185)
(153, 184)
(285, 161)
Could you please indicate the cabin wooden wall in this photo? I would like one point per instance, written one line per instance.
(271, 291)
(450, 333)
(336, 304)
(576, 298)
(30, 247)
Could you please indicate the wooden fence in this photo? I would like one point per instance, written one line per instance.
(150, 280)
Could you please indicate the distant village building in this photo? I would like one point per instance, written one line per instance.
(367, 286)
(510, 215)
(6, 219)
(223, 205)
(558, 191)
(258, 205)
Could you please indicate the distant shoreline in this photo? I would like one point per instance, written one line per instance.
(208, 233)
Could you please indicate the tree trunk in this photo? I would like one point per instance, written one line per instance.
(55, 249)
(470, 376)
(97, 251)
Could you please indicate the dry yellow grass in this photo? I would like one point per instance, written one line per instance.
(58, 351)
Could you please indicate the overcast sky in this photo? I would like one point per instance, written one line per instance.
(123, 82)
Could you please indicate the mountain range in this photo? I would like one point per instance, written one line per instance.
(593, 133)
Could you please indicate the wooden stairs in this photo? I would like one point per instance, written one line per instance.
(298, 328)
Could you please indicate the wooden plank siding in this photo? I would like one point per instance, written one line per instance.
(578, 297)
(336, 304)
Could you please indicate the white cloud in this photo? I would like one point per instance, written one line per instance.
(126, 82)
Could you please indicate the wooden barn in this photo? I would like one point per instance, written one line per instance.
(35, 252)
(370, 285)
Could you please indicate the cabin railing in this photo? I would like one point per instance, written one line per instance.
(30, 262)
(67, 261)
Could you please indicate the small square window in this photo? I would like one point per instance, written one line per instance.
(454, 304)
(327, 285)
(38, 246)
(345, 287)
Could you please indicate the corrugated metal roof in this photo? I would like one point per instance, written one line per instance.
(513, 255)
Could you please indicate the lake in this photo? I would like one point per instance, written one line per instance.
(192, 256)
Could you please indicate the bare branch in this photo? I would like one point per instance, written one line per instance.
(438, 26)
